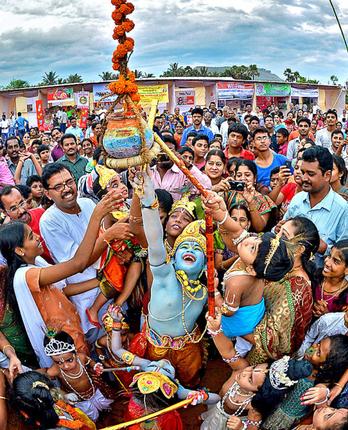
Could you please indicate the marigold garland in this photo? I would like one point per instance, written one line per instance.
(125, 85)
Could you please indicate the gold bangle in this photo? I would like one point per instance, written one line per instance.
(7, 346)
(339, 385)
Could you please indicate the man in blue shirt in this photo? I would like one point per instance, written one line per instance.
(75, 129)
(197, 118)
(21, 124)
(266, 160)
(318, 202)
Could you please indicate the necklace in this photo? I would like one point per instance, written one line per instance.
(187, 286)
(333, 294)
(86, 394)
(234, 391)
(74, 375)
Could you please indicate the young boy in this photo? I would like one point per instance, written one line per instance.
(44, 155)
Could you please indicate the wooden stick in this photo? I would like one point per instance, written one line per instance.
(150, 416)
(120, 369)
(208, 224)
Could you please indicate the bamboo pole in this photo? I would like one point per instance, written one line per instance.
(208, 224)
(171, 408)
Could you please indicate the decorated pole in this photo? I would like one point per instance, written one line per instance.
(208, 224)
(127, 139)
(149, 417)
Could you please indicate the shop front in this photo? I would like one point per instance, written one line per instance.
(304, 97)
(234, 94)
(268, 94)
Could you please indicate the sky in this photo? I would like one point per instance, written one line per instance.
(68, 37)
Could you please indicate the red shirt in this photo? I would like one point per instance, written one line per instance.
(247, 155)
(36, 215)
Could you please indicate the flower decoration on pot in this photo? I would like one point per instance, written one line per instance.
(127, 139)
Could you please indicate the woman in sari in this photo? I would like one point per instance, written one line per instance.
(260, 206)
(288, 302)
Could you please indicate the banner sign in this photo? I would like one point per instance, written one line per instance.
(185, 97)
(153, 92)
(39, 115)
(234, 91)
(273, 90)
(305, 92)
(83, 117)
(60, 95)
(82, 99)
(100, 90)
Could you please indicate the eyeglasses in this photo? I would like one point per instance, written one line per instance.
(60, 187)
(21, 205)
(261, 138)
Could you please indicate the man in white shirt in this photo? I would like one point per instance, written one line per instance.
(208, 122)
(323, 136)
(63, 227)
(5, 126)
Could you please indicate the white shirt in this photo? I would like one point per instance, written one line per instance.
(5, 124)
(213, 127)
(224, 133)
(63, 234)
(323, 138)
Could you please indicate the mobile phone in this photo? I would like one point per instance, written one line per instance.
(288, 164)
(236, 185)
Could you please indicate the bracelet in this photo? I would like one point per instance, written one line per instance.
(233, 359)
(253, 423)
(339, 385)
(217, 293)
(136, 219)
(225, 307)
(7, 346)
(3, 398)
(214, 333)
(154, 205)
(327, 398)
(252, 209)
(240, 239)
(224, 219)
(128, 357)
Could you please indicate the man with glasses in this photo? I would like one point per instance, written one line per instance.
(15, 207)
(266, 160)
(63, 226)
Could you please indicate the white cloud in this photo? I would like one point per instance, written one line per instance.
(75, 37)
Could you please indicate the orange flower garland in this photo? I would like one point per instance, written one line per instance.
(77, 423)
(125, 85)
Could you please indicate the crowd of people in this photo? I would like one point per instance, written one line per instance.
(103, 296)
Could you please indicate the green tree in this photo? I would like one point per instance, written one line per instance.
(138, 74)
(148, 75)
(254, 72)
(334, 79)
(289, 75)
(17, 83)
(50, 78)
(174, 70)
(75, 78)
(108, 76)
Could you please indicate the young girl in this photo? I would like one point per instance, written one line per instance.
(260, 259)
(33, 284)
(77, 373)
(36, 400)
(252, 391)
(332, 293)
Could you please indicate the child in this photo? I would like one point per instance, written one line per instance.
(120, 264)
(156, 385)
(33, 398)
(36, 188)
(77, 373)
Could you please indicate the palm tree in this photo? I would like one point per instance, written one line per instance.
(289, 74)
(72, 79)
(148, 75)
(108, 76)
(334, 79)
(61, 81)
(174, 70)
(138, 74)
(203, 71)
(17, 83)
(254, 71)
(50, 78)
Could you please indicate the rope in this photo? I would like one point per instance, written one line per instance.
(339, 25)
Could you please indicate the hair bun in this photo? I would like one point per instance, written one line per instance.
(299, 369)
